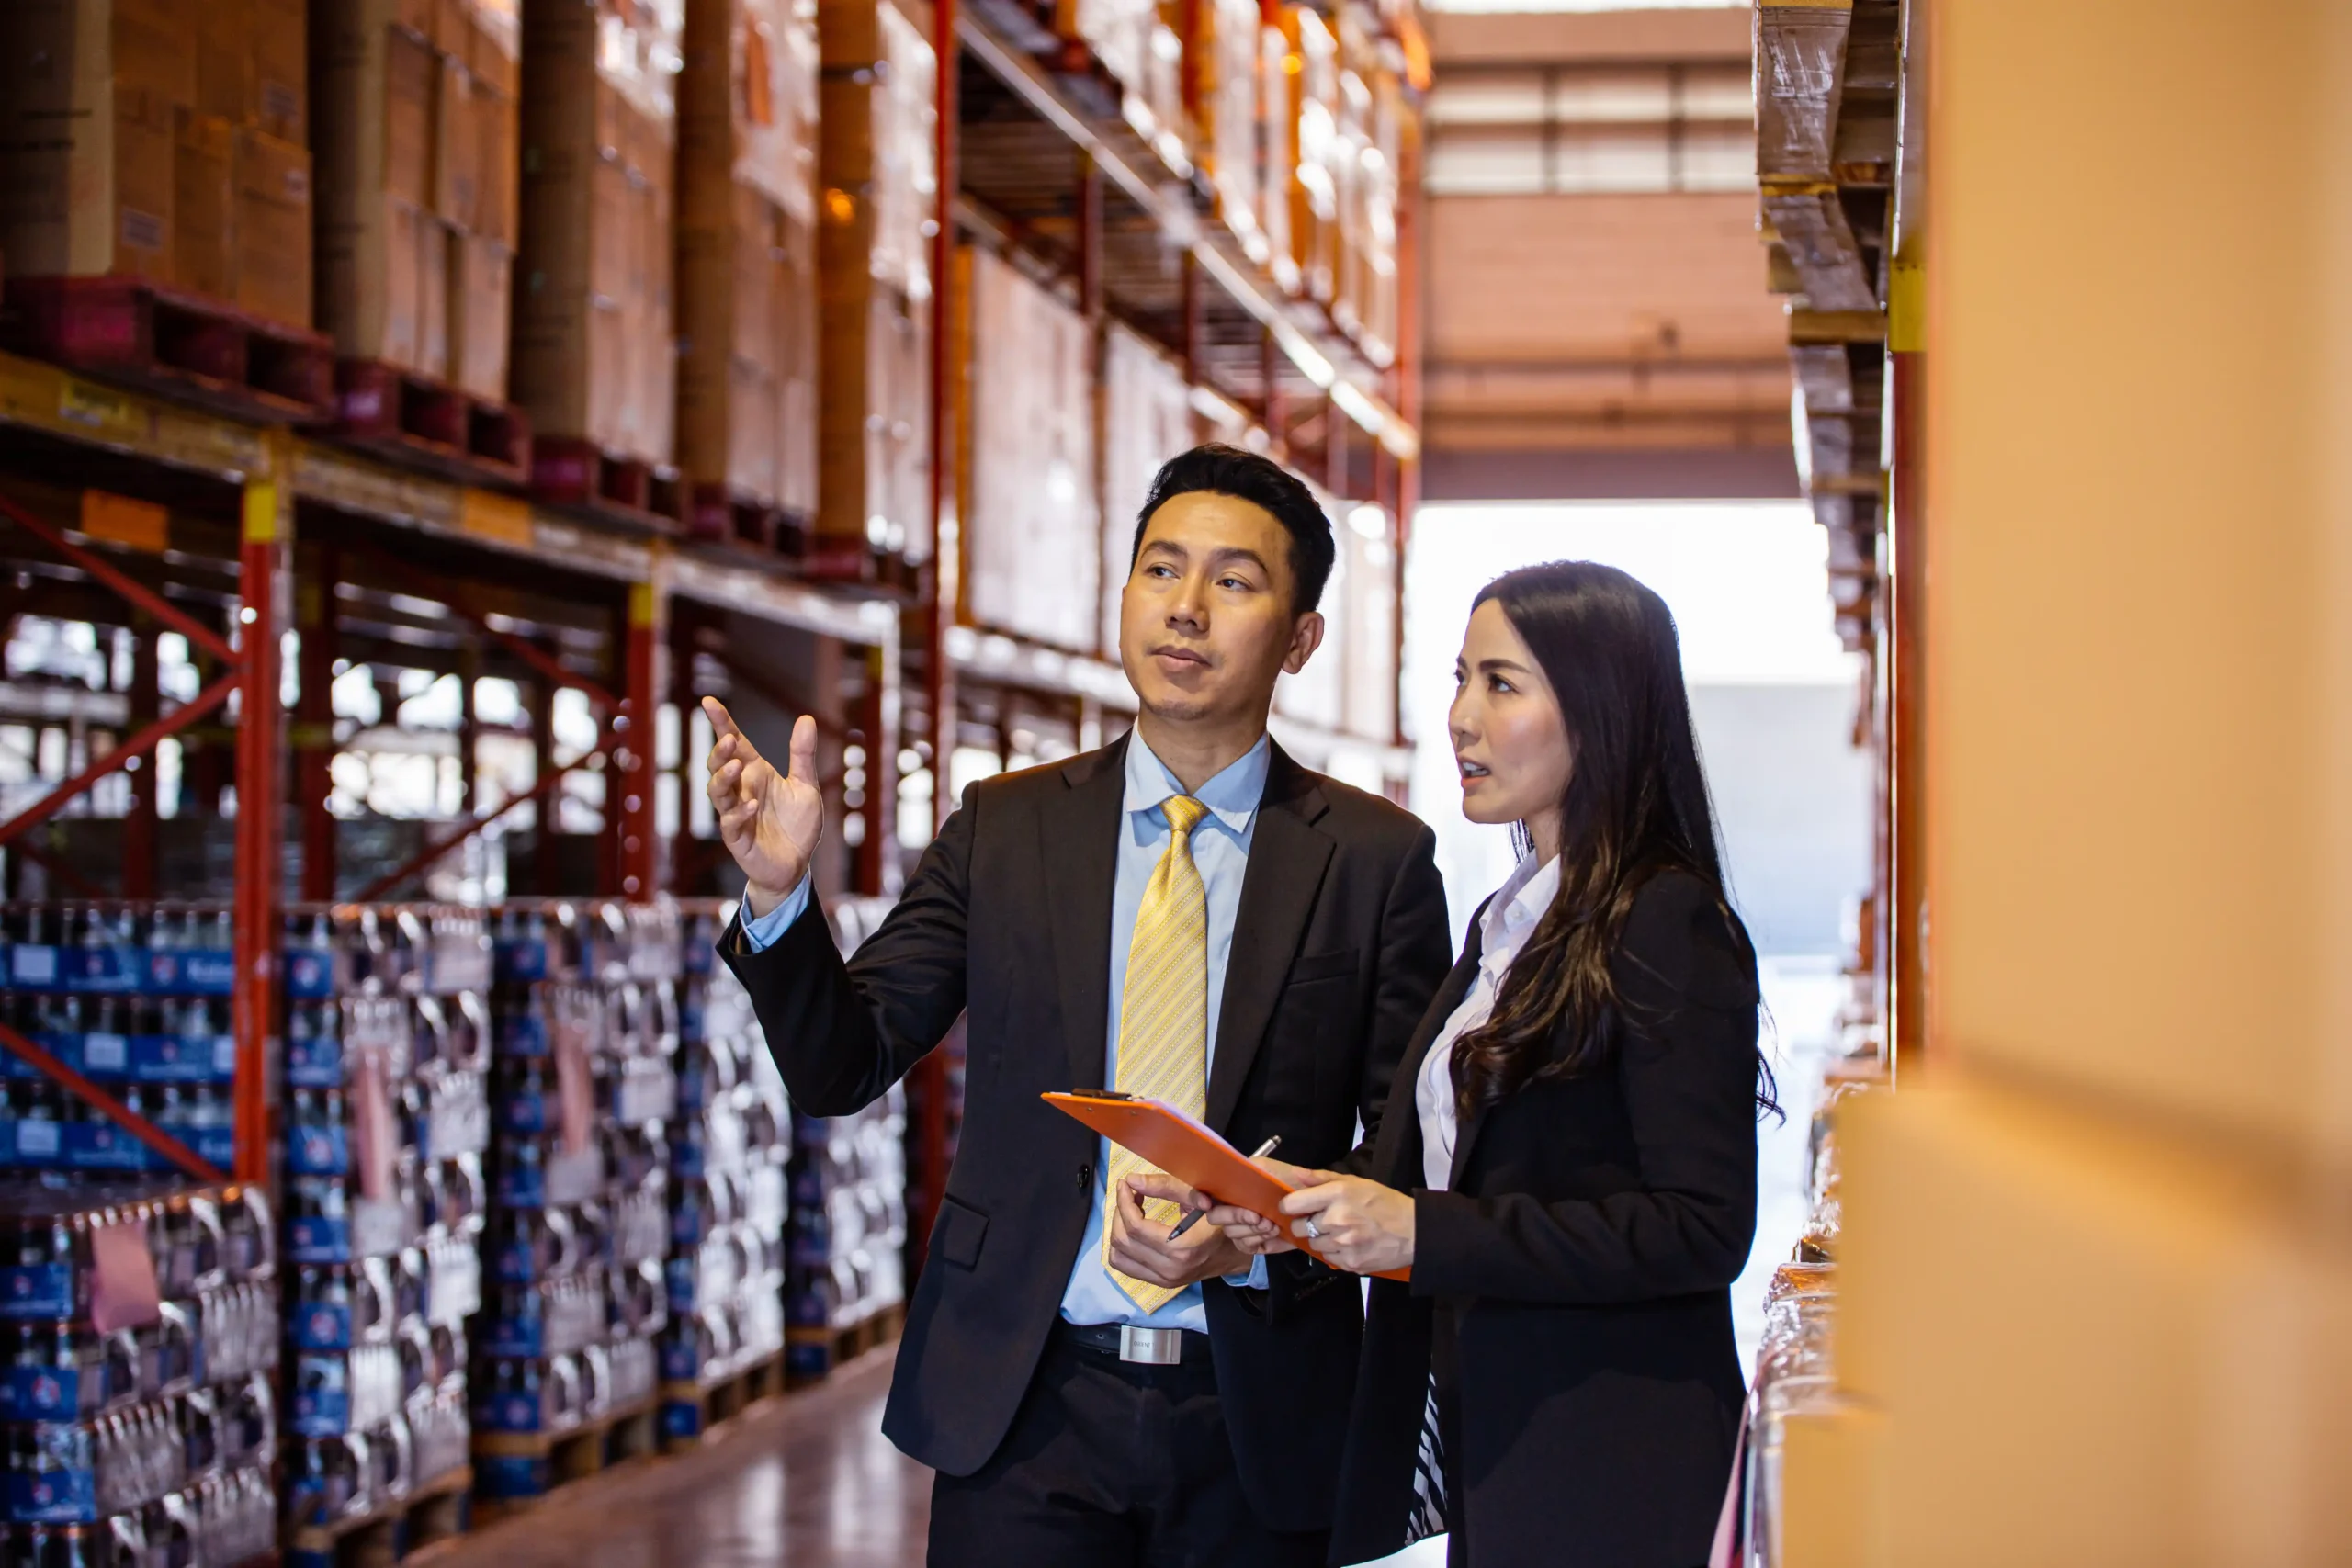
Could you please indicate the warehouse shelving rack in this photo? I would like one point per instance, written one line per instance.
(130, 510)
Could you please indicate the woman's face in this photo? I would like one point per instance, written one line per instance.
(1511, 744)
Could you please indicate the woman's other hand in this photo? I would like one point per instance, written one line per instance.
(1351, 1222)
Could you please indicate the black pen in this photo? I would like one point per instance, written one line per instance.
(1269, 1146)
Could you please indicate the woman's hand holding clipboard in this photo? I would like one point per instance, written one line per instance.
(1187, 1150)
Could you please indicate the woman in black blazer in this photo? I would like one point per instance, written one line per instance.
(1568, 1161)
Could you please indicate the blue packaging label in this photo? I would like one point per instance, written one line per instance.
(680, 1363)
(322, 1413)
(50, 1394)
(315, 1238)
(192, 972)
(681, 1419)
(106, 970)
(34, 968)
(104, 1054)
(322, 1325)
(315, 1063)
(309, 973)
(37, 1143)
(53, 1496)
(527, 1113)
(100, 1145)
(522, 1187)
(183, 1059)
(319, 1151)
(509, 1413)
(522, 1035)
(37, 1292)
(522, 959)
(688, 1160)
(514, 1337)
(509, 1475)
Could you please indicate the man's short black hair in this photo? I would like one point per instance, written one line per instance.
(1220, 469)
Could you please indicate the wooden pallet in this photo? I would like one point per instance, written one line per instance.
(524, 1469)
(184, 346)
(569, 471)
(719, 514)
(433, 1512)
(422, 423)
(811, 1354)
(690, 1410)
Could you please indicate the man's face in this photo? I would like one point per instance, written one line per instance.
(1204, 622)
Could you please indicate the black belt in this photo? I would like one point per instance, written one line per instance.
(1137, 1347)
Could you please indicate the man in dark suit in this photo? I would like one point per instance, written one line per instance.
(1186, 914)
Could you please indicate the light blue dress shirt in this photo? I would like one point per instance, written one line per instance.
(1221, 852)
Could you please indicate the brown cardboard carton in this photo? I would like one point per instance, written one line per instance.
(281, 68)
(204, 205)
(411, 82)
(456, 161)
(496, 150)
(481, 291)
(434, 243)
(594, 356)
(273, 227)
(87, 94)
(371, 289)
(224, 59)
(373, 124)
(494, 48)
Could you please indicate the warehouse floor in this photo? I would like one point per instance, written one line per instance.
(852, 1501)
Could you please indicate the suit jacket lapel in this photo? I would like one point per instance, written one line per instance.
(1396, 1157)
(1079, 847)
(1287, 857)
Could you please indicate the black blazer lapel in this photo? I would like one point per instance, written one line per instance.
(1079, 847)
(1396, 1157)
(1287, 857)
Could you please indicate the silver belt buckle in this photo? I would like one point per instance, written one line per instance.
(1151, 1346)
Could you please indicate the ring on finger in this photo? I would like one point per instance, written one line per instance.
(1313, 1231)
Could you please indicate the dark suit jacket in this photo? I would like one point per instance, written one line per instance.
(1339, 941)
(1585, 1250)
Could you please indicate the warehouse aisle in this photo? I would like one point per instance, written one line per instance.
(851, 1499)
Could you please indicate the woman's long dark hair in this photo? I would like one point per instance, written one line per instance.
(1635, 805)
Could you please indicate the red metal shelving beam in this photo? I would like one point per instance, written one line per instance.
(258, 905)
(196, 708)
(129, 1121)
(137, 594)
(546, 784)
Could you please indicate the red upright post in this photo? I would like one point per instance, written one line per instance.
(314, 737)
(628, 775)
(267, 528)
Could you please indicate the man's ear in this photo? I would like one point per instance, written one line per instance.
(1306, 636)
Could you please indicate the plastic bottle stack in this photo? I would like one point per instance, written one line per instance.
(387, 1122)
(725, 1272)
(139, 1400)
(583, 1090)
(849, 1216)
(134, 996)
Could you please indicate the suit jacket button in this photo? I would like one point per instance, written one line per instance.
(1085, 1177)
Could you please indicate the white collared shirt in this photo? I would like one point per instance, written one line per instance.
(1511, 915)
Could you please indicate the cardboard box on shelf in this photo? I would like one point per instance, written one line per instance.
(876, 138)
(1222, 93)
(1025, 470)
(282, 68)
(747, 156)
(436, 243)
(480, 313)
(204, 204)
(273, 227)
(370, 285)
(594, 356)
(224, 60)
(457, 155)
(495, 139)
(374, 123)
(87, 169)
(1146, 418)
(494, 47)
(1311, 127)
(1278, 152)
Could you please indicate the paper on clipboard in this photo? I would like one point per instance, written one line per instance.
(1188, 1150)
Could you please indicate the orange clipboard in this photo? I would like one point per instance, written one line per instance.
(1188, 1151)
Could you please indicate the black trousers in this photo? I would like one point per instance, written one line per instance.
(1110, 1464)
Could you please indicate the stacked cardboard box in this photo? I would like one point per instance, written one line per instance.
(1312, 147)
(1146, 419)
(1277, 151)
(879, 212)
(1025, 479)
(1373, 254)
(151, 139)
(595, 352)
(747, 252)
(1223, 91)
(417, 151)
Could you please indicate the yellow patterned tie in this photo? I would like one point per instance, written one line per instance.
(1164, 1016)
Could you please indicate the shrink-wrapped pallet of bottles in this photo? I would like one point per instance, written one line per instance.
(583, 1088)
(849, 1210)
(139, 1399)
(135, 997)
(726, 1272)
(386, 1124)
